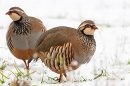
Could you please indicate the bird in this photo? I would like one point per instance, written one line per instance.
(63, 49)
(22, 34)
(20, 82)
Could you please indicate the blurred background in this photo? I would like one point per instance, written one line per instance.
(103, 12)
(112, 17)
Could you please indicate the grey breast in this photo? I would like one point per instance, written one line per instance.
(23, 37)
(25, 41)
(87, 46)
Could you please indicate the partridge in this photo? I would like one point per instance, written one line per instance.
(22, 34)
(63, 49)
(20, 82)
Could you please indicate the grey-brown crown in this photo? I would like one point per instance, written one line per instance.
(18, 8)
(86, 22)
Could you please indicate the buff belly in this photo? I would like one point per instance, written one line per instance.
(23, 54)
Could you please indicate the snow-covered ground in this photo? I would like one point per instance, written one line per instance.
(112, 57)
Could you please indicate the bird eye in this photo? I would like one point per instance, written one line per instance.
(13, 11)
(87, 25)
(92, 26)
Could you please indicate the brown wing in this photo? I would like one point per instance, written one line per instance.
(8, 37)
(37, 24)
(54, 37)
(56, 49)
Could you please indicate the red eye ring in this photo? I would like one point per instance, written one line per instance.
(91, 26)
(88, 25)
(10, 12)
(13, 11)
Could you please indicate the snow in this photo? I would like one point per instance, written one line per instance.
(113, 41)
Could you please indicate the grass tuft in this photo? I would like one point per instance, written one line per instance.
(3, 66)
(20, 74)
(2, 81)
(102, 74)
(128, 62)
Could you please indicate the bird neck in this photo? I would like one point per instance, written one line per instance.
(84, 36)
(22, 26)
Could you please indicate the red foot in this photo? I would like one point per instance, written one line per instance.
(60, 77)
(27, 65)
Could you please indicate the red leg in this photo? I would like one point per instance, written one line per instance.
(27, 65)
(65, 75)
(60, 77)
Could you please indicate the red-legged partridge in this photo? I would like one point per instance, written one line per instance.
(20, 82)
(22, 34)
(63, 49)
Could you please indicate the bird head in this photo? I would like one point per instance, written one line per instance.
(88, 27)
(15, 13)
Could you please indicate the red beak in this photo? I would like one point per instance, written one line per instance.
(95, 28)
(8, 13)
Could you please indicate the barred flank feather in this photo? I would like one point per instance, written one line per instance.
(58, 58)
